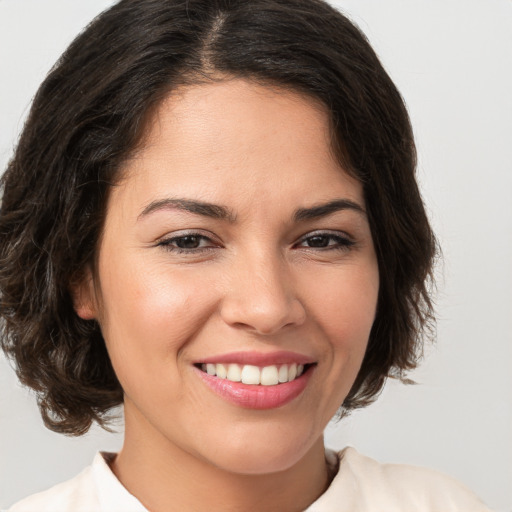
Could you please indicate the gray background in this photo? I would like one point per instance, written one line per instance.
(452, 61)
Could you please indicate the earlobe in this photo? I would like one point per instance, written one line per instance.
(82, 293)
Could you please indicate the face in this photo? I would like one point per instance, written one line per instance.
(235, 248)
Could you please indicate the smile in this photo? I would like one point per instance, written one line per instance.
(253, 375)
(257, 381)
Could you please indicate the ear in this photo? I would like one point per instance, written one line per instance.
(83, 295)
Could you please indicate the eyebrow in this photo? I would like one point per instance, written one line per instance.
(322, 210)
(197, 207)
(216, 211)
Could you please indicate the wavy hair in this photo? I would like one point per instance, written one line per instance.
(91, 112)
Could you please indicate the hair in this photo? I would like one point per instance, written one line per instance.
(90, 114)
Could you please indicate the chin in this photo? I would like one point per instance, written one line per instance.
(264, 454)
(259, 463)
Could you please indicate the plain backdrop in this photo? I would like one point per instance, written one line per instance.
(451, 59)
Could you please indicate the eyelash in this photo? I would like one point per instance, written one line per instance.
(167, 244)
(341, 242)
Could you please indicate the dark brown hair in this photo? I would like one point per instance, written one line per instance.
(90, 113)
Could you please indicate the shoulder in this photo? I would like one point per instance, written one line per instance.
(77, 495)
(363, 484)
(96, 488)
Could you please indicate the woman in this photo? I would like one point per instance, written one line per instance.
(212, 219)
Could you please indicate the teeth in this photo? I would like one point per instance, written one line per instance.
(220, 371)
(269, 376)
(234, 373)
(249, 374)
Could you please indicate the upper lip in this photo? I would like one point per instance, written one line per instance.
(259, 358)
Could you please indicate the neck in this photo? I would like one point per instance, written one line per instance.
(163, 476)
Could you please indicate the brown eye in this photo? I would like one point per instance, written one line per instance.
(318, 241)
(188, 242)
(326, 241)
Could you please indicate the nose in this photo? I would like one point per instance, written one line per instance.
(261, 296)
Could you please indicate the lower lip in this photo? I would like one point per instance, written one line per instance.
(253, 396)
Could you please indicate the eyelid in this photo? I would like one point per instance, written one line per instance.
(326, 232)
(346, 241)
(166, 240)
(200, 233)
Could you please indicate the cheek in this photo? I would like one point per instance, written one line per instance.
(347, 297)
(343, 302)
(149, 316)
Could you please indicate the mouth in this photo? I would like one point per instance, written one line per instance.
(257, 381)
(271, 375)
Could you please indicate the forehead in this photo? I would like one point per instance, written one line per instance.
(220, 112)
(235, 139)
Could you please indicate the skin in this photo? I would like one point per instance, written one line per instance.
(256, 281)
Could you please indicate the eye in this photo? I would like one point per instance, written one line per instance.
(326, 241)
(187, 243)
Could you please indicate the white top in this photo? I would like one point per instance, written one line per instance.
(360, 485)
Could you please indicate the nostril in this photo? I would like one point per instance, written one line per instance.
(260, 317)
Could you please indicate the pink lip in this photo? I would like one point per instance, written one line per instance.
(256, 397)
(259, 358)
